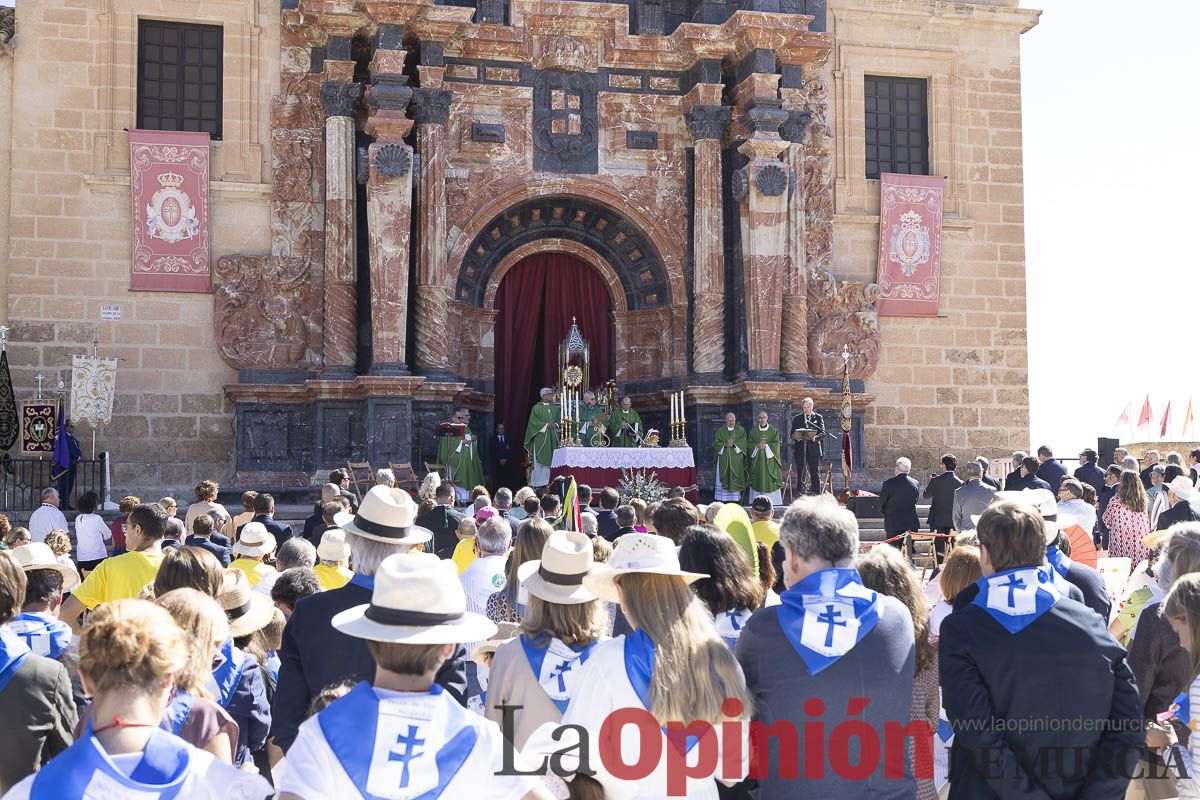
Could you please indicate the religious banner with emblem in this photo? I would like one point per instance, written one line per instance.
(39, 420)
(93, 383)
(910, 245)
(169, 180)
(9, 426)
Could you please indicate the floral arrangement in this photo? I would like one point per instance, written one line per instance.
(636, 483)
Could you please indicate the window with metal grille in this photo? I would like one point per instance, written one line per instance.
(179, 77)
(897, 126)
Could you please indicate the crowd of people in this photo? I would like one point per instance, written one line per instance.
(430, 644)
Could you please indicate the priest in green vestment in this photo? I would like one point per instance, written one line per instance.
(625, 426)
(766, 470)
(460, 454)
(730, 449)
(587, 412)
(541, 438)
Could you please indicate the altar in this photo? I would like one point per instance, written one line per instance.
(600, 467)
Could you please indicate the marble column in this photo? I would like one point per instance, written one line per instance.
(761, 189)
(707, 125)
(431, 109)
(389, 203)
(794, 345)
(340, 344)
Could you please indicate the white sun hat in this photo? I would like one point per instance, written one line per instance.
(643, 553)
(386, 514)
(334, 546)
(255, 540)
(557, 577)
(38, 555)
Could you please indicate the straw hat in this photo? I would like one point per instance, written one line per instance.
(334, 546)
(1041, 501)
(557, 577)
(417, 600)
(505, 632)
(254, 541)
(1182, 486)
(642, 553)
(38, 555)
(386, 514)
(247, 609)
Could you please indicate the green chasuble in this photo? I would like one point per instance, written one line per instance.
(586, 430)
(731, 459)
(539, 443)
(765, 468)
(621, 437)
(461, 457)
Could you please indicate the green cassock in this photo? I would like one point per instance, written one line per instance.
(540, 444)
(586, 431)
(765, 470)
(731, 460)
(620, 436)
(461, 458)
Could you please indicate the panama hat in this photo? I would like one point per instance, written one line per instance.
(247, 610)
(254, 541)
(386, 514)
(334, 546)
(1182, 486)
(557, 577)
(417, 599)
(505, 632)
(1042, 501)
(641, 553)
(38, 555)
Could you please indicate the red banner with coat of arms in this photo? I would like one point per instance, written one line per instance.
(169, 179)
(910, 245)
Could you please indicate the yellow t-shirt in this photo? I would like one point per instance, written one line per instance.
(118, 578)
(332, 577)
(464, 554)
(766, 531)
(255, 570)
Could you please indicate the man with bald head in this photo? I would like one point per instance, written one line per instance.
(729, 456)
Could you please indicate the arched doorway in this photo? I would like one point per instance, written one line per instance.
(535, 302)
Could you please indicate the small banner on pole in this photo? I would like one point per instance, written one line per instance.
(93, 383)
(169, 180)
(9, 427)
(39, 421)
(910, 245)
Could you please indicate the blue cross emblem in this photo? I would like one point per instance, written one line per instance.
(410, 743)
(833, 619)
(29, 636)
(733, 620)
(1013, 584)
(559, 671)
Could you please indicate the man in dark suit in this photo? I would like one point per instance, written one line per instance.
(442, 520)
(1148, 462)
(314, 655)
(1029, 477)
(806, 455)
(201, 537)
(1050, 469)
(1088, 471)
(328, 512)
(985, 467)
(264, 508)
(1179, 492)
(499, 457)
(898, 502)
(984, 654)
(1112, 482)
(502, 500)
(1013, 481)
(940, 492)
(607, 515)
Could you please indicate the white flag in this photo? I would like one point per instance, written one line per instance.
(93, 384)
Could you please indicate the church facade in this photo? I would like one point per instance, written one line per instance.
(383, 167)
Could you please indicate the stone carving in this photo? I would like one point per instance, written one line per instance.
(341, 99)
(8, 25)
(797, 123)
(818, 173)
(708, 122)
(842, 315)
(772, 180)
(260, 308)
(565, 131)
(431, 106)
(393, 160)
(740, 185)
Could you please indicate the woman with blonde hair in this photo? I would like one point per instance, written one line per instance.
(517, 511)
(508, 604)
(961, 569)
(130, 656)
(639, 507)
(674, 665)
(429, 485)
(539, 671)
(193, 715)
(206, 502)
(1182, 611)
(1127, 520)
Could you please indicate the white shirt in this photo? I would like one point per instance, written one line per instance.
(1083, 513)
(482, 579)
(45, 519)
(939, 613)
(314, 772)
(90, 533)
(208, 779)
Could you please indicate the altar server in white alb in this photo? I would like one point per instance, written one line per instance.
(403, 737)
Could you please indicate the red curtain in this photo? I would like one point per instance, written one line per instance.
(535, 304)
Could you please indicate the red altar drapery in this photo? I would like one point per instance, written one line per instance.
(535, 304)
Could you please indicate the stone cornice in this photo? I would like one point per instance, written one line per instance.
(984, 14)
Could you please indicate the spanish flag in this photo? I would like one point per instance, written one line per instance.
(1187, 417)
(570, 518)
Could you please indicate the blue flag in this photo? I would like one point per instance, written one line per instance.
(62, 446)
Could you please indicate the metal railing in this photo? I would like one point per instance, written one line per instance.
(23, 479)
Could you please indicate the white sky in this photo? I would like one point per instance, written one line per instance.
(1111, 134)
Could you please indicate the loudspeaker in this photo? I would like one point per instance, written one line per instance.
(1104, 450)
(865, 507)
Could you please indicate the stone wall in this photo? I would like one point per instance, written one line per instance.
(69, 247)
